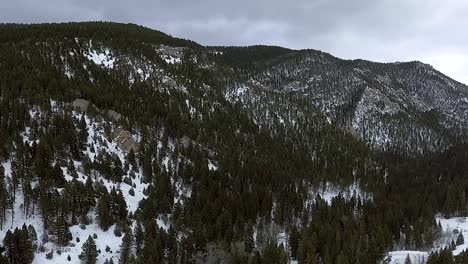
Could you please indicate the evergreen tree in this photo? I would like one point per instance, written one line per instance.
(18, 246)
(62, 231)
(407, 259)
(460, 239)
(294, 242)
(126, 248)
(249, 242)
(89, 251)
(139, 236)
(104, 212)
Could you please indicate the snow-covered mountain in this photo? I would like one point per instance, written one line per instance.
(160, 150)
(395, 105)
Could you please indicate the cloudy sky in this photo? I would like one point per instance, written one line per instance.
(432, 31)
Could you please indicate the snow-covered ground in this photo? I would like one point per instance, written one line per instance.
(329, 191)
(17, 217)
(451, 227)
(450, 230)
(171, 59)
(104, 239)
(96, 137)
(399, 257)
(101, 58)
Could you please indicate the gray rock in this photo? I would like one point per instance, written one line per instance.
(113, 115)
(80, 105)
(124, 140)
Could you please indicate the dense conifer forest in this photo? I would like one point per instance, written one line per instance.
(230, 162)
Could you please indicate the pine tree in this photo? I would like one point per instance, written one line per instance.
(104, 212)
(453, 246)
(25, 244)
(3, 197)
(18, 246)
(294, 242)
(62, 231)
(11, 247)
(139, 236)
(460, 239)
(407, 259)
(89, 253)
(249, 242)
(131, 158)
(3, 260)
(126, 248)
(147, 169)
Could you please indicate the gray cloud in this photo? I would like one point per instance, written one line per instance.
(383, 30)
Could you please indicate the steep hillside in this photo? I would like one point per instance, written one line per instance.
(123, 144)
(404, 106)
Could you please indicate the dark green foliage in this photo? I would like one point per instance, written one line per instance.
(125, 248)
(274, 254)
(62, 231)
(460, 239)
(89, 253)
(408, 259)
(18, 245)
(104, 212)
(266, 168)
(3, 260)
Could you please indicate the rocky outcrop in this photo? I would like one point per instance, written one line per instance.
(80, 105)
(186, 142)
(113, 115)
(124, 139)
(121, 136)
(168, 82)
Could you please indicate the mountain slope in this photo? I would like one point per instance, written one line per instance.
(406, 106)
(171, 152)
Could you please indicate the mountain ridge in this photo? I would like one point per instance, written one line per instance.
(237, 155)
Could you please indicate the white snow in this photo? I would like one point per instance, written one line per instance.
(236, 94)
(7, 166)
(329, 191)
(449, 226)
(18, 217)
(101, 58)
(171, 59)
(96, 131)
(399, 257)
(450, 230)
(104, 238)
(96, 137)
(212, 165)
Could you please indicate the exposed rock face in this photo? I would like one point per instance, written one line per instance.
(169, 82)
(80, 105)
(124, 140)
(186, 142)
(175, 52)
(122, 137)
(113, 115)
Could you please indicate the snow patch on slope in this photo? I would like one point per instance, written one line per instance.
(399, 257)
(451, 227)
(101, 58)
(330, 191)
(104, 239)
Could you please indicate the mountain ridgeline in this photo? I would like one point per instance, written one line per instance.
(119, 143)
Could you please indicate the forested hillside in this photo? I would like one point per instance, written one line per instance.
(121, 144)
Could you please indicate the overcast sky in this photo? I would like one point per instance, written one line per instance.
(432, 31)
